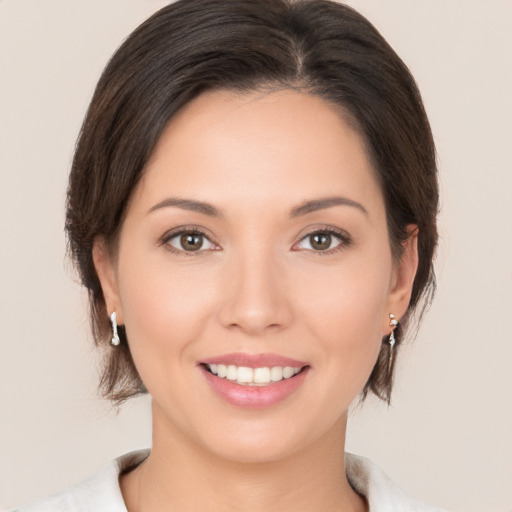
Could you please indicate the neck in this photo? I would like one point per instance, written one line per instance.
(185, 476)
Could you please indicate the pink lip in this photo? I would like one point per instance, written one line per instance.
(254, 397)
(254, 360)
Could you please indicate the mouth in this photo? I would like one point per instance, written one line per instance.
(254, 381)
(247, 376)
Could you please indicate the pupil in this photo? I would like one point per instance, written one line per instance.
(321, 241)
(191, 242)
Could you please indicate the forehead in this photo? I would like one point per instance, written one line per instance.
(259, 147)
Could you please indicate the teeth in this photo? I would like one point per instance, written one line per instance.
(287, 372)
(244, 375)
(261, 375)
(231, 372)
(276, 373)
(253, 376)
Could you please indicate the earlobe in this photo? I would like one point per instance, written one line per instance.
(105, 270)
(405, 272)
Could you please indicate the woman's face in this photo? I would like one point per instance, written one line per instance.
(256, 241)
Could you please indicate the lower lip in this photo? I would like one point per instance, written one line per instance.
(254, 396)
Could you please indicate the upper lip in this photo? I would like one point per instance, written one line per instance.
(254, 360)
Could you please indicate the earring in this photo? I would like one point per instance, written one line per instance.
(115, 341)
(393, 322)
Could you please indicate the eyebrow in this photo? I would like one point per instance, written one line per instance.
(323, 203)
(188, 204)
(303, 209)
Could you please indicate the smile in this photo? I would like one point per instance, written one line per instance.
(254, 380)
(246, 376)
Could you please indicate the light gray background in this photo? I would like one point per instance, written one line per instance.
(446, 440)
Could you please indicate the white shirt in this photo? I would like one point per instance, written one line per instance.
(101, 492)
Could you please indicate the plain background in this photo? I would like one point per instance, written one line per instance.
(446, 440)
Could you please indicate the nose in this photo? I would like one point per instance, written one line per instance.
(254, 298)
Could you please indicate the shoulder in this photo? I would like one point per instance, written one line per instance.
(382, 494)
(99, 493)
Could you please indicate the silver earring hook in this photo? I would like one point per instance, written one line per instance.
(393, 322)
(115, 341)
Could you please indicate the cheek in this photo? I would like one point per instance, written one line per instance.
(155, 298)
(343, 309)
(350, 297)
(164, 309)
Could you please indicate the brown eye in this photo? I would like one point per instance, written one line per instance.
(189, 241)
(320, 241)
(325, 241)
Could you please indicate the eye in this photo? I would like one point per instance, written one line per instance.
(324, 241)
(188, 241)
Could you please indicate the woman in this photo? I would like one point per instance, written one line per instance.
(252, 209)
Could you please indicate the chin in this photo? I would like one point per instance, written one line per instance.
(255, 452)
(258, 442)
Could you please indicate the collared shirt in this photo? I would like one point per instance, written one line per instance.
(101, 492)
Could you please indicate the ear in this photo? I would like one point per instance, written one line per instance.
(106, 270)
(403, 277)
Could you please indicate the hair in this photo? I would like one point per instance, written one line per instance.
(320, 47)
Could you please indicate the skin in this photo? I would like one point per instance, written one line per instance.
(258, 284)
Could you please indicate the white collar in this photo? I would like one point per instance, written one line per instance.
(101, 492)
(381, 493)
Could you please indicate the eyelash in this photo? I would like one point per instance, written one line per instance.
(185, 230)
(342, 236)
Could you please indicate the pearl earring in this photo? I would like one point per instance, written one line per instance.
(115, 341)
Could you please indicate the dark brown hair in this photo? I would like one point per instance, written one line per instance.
(317, 46)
